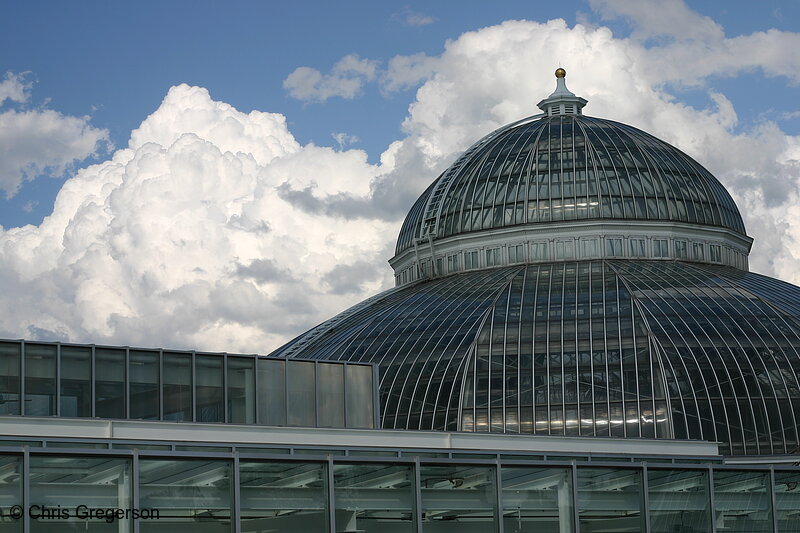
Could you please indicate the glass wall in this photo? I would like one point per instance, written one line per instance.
(537, 499)
(190, 495)
(283, 496)
(679, 500)
(374, 497)
(98, 491)
(118, 383)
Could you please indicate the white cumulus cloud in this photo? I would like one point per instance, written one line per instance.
(181, 239)
(345, 80)
(39, 142)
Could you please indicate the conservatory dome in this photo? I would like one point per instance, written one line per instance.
(575, 276)
(564, 173)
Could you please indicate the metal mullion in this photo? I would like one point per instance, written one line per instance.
(547, 351)
(225, 387)
(256, 388)
(127, 382)
(533, 348)
(712, 500)
(417, 497)
(92, 381)
(561, 334)
(498, 485)
(605, 350)
(575, 509)
(22, 377)
(621, 359)
(236, 513)
(636, 367)
(194, 387)
(331, 496)
(58, 379)
(344, 392)
(519, 348)
(26, 488)
(645, 498)
(135, 489)
(161, 384)
(591, 343)
(316, 393)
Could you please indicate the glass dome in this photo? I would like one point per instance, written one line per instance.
(568, 168)
(576, 276)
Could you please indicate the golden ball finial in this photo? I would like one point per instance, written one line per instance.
(561, 73)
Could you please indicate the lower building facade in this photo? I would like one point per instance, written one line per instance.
(64, 474)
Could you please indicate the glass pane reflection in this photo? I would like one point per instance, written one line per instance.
(537, 499)
(283, 497)
(610, 500)
(679, 501)
(189, 494)
(743, 501)
(373, 497)
(458, 498)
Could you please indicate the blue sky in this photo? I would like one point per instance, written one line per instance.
(223, 176)
(114, 61)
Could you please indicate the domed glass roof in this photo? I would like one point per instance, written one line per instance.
(569, 275)
(622, 348)
(568, 168)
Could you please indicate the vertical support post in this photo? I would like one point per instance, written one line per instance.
(645, 498)
(135, 487)
(194, 389)
(26, 488)
(331, 497)
(498, 486)
(127, 378)
(236, 514)
(22, 372)
(575, 511)
(316, 394)
(225, 388)
(58, 379)
(161, 384)
(417, 497)
(773, 498)
(376, 396)
(712, 499)
(256, 390)
(91, 383)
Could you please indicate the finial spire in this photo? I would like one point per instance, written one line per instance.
(562, 101)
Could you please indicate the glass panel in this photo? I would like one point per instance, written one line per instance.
(614, 247)
(787, 501)
(10, 491)
(272, 392)
(681, 250)
(241, 390)
(330, 402)
(76, 381)
(610, 500)
(177, 386)
(660, 248)
(144, 385)
(743, 501)
(360, 397)
(374, 498)
(302, 401)
(539, 251)
(537, 499)
(637, 247)
(40, 380)
(109, 382)
(69, 493)
(283, 497)
(458, 498)
(589, 248)
(9, 378)
(191, 495)
(679, 501)
(208, 390)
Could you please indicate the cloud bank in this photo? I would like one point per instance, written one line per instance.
(216, 229)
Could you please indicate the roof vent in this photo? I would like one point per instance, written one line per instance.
(562, 101)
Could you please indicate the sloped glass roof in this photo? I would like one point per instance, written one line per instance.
(568, 168)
